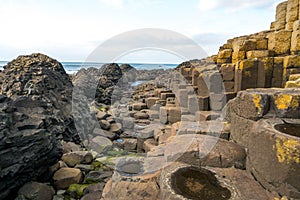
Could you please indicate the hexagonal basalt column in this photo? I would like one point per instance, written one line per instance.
(255, 104)
(274, 155)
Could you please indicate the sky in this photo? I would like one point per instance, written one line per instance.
(70, 30)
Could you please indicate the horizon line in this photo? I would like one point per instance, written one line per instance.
(112, 62)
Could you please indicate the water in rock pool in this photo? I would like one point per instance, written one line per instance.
(130, 168)
(198, 185)
(288, 128)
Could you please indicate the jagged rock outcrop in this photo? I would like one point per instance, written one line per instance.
(27, 145)
(129, 72)
(92, 85)
(98, 83)
(43, 80)
(35, 113)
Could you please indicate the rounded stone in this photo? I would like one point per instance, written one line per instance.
(36, 191)
(64, 177)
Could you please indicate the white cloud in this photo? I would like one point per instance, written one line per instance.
(66, 28)
(232, 5)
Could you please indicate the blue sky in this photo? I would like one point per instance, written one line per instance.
(69, 30)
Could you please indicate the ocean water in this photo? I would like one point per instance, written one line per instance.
(73, 67)
(2, 63)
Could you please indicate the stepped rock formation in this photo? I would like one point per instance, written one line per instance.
(262, 60)
(269, 129)
(258, 74)
(249, 147)
(35, 114)
(269, 60)
(270, 57)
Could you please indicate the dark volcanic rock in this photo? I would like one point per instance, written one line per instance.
(41, 82)
(35, 108)
(92, 85)
(148, 75)
(112, 71)
(36, 74)
(27, 147)
(129, 73)
(110, 75)
(126, 68)
(96, 83)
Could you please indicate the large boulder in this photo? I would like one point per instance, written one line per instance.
(129, 72)
(27, 146)
(112, 71)
(35, 107)
(30, 75)
(97, 84)
(40, 82)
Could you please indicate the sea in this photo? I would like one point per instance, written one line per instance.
(74, 67)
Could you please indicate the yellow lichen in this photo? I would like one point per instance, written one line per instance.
(248, 73)
(292, 84)
(285, 101)
(257, 102)
(288, 151)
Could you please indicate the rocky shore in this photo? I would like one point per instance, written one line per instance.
(224, 127)
(45, 153)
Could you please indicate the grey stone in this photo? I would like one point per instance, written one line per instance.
(164, 115)
(100, 144)
(127, 123)
(37, 191)
(104, 133)
(97, 187)
(93, 177)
